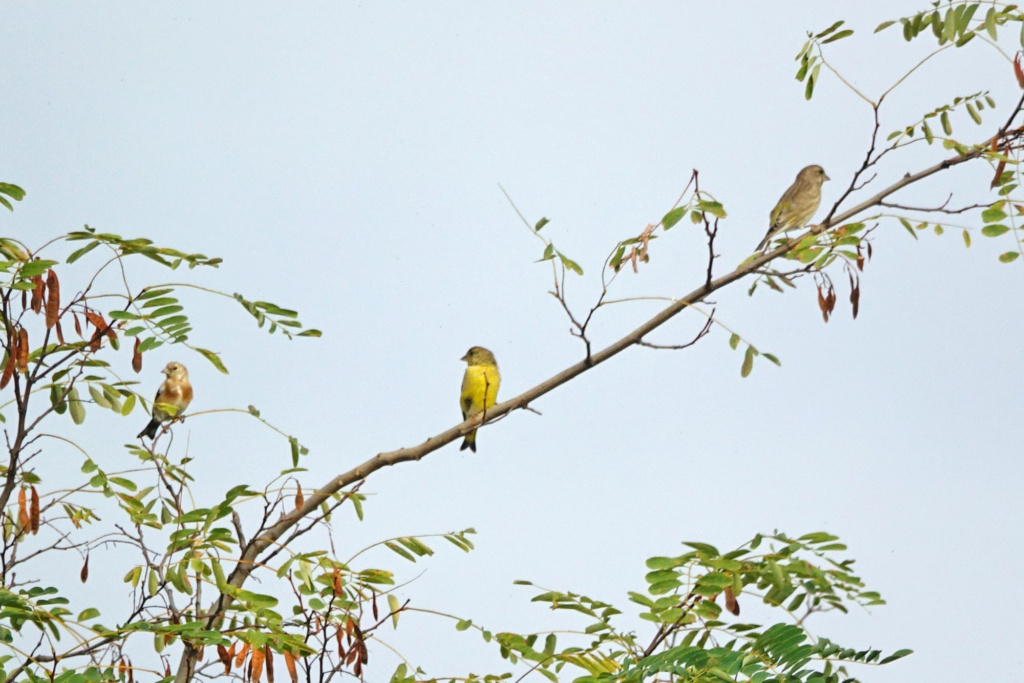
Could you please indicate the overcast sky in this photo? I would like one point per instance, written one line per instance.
(344, 159)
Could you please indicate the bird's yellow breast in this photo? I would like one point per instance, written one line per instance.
(479, 388)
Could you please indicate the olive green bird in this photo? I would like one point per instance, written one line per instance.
(479, 388)
(798, 203)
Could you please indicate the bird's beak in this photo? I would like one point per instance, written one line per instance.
(165, 372)
(464, 357)
(826, 177)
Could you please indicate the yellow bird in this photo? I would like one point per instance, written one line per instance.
(798, 203)
(479, 388)
(176, 391)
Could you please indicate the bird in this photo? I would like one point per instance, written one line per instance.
(798, 203)
(176, 392)
(479, 388)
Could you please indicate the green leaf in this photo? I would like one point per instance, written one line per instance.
(12, 191)
(772, 358)
(540, 224)
(809, 88)
(165, 310)
(966, 38)
(899, 654)
(89, 613)
(394, 607)
(213, 358)
(659, 575)
(151, 293)
(884, 25)
(75, 407)
(973, 111)
(994, 230)
(399, 550)
(703, 548)
(967, 239)
(906, 224)
(714, 208)
(123, 315)
(994, 213)
(734, 341)
(673, 217)
(75, 255)
(830, 29)
(748, 361)
(570, 264)
(129, 404)
(1009, 256)
(663, 587)
(33, 268)
(839, 36)
(801, 73)
(98, 397)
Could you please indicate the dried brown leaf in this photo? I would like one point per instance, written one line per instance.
(137, 357)
(224, 657)
(52, 299)
(22, 350)
(269, 663)
(258, 657)
(60, 332)
(33, 515)
(730, 602)
(23, 519)
(299, 498)
(9, 366)
(78, 325)
(240, 657)
(1017, 70)
(289, 661)
(999, 173)
(37, 293)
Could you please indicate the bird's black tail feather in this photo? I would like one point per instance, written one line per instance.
(150, 429)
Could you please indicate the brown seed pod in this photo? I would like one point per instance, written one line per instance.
(52, 299)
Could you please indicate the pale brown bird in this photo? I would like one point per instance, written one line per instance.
(479, 388)
(798, 203)
(171, 399)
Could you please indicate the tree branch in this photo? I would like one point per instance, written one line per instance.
(270, 535)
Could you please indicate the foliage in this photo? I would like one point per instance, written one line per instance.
(66, 316)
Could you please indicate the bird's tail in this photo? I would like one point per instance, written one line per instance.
(469, 442)
(150, 429)
(766, 240)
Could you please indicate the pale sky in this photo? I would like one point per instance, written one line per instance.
(345, 159)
